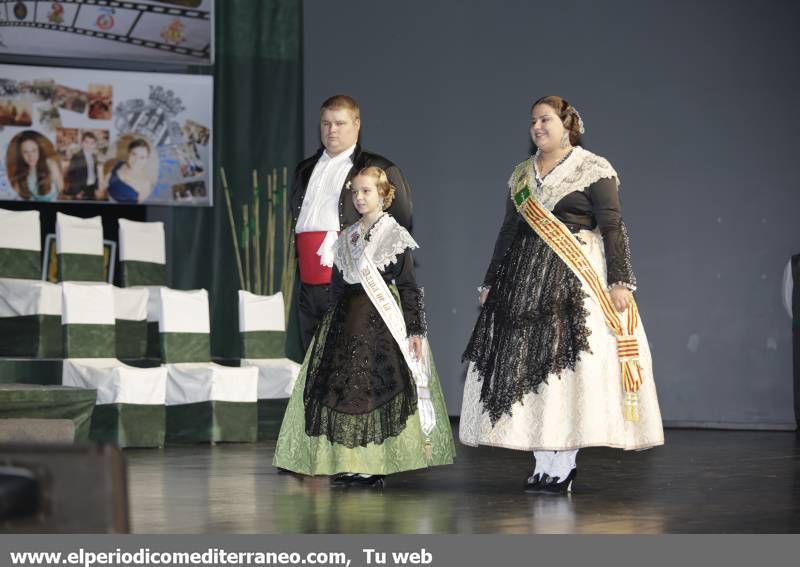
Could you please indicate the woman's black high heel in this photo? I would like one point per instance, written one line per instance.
(534, 483)
(552, 485)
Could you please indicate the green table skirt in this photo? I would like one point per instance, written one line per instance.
(44, 371)
(270, 417)
(49, 402)
(212, 422)
(129, 425)
(31, 335)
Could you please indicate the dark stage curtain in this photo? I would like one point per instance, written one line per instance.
(257, 125)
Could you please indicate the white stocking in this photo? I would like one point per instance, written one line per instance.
(562, 464)
(544, 460)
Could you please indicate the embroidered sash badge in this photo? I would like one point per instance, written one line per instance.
(522, 195)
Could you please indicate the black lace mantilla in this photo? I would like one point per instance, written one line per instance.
(533, 324)
(359, 389)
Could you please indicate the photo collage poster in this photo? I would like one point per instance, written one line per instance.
(105, 136)
(165, 31)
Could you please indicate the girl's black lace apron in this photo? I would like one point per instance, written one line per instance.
(358, 388)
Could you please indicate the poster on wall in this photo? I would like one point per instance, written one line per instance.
(105, 136)
(157, 31)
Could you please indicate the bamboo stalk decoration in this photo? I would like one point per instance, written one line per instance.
(267, 231)
(289, 264)
(256, 233)
(268, 260)
(273, 217)
(284, 241)
(233, 226)
(268, 236)
(259, 274)
(246, 246)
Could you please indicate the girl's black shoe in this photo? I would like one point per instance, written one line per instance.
(371, 481)
(342, 479)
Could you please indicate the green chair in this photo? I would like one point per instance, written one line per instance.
(130, 408)
(130, 321)
(206, 402)
(142, 253)
(79, 245)
(262, 330)
(30, 309)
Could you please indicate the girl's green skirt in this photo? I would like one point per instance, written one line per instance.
(411, 449)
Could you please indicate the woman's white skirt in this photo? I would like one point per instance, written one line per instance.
(580, 408)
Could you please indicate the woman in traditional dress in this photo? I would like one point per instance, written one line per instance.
(558, 359)
(368, 402)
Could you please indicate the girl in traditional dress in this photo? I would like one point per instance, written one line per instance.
(367, 402)
(558, 359)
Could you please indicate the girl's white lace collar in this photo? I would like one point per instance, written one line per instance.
(387, 240)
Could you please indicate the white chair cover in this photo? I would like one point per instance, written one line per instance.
(88, 303)
(261, 312)
(20, 230)
(19, 298)
(130, 304)
(142, 242)
(75, 235)
(276, 376)
(189, 383)
(183, 311)
(115, 382)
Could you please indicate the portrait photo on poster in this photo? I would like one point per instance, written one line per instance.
(32, 165)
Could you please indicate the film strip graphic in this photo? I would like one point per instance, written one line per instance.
(171, 29)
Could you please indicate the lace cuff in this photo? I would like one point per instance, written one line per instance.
(618, 256)
(626, 285)
(413, 302)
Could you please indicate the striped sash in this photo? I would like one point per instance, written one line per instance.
(563, 242)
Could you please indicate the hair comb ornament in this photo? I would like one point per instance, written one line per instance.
(577, 114)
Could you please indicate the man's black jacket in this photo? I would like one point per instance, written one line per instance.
(400, 208)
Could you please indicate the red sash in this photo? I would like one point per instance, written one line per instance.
(311, 271)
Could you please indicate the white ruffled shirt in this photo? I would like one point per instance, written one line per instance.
(320, 210)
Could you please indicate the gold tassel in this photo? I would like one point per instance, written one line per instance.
(428, 449)
(628, 352)
(630, 407)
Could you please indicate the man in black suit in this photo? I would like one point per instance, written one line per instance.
(82, 172)
(321, 203)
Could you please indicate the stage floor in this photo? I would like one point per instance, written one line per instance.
(699, 482)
